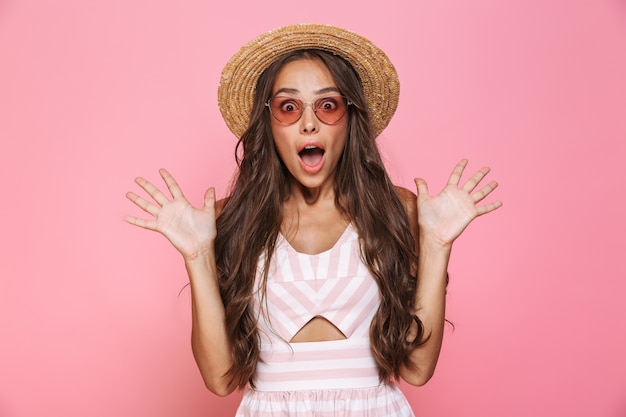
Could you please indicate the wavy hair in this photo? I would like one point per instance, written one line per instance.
(250, 221)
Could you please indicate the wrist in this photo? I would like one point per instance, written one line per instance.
(432, 242)
(201, 267)
(202, 254)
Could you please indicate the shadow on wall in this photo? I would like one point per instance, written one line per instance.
(621, 410)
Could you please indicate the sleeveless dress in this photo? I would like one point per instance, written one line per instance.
(321, 379)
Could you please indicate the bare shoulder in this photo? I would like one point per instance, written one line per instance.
(409, 201)
(408, 198)
(219, 206)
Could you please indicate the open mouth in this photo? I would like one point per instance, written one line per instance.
(311, 155)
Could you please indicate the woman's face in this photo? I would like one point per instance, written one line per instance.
(309, 148)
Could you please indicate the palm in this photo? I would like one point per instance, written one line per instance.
(185, 226)
(445, 215)
(188, 228)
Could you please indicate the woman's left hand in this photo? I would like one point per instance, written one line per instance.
(443, 217)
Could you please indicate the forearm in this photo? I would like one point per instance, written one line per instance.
(430, 303)
(209, 339)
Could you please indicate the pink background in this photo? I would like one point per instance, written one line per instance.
(94, 93)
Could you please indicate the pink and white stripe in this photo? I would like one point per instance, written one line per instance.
(336, 364)
(334, 284)
(382, 401)
(331, 378)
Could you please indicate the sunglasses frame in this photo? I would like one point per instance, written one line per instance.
(314, 107)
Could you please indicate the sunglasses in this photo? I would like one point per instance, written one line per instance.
(288, 110)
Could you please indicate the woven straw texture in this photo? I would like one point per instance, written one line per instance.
(240, 75)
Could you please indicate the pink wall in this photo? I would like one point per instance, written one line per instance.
(95, 93)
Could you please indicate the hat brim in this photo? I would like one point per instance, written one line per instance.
(241, 73)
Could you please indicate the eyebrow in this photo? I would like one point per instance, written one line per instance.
(296, 91)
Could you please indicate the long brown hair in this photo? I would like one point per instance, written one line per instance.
(251, 218)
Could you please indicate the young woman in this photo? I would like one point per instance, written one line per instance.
(316, 284)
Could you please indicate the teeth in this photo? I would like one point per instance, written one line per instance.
(310, 147)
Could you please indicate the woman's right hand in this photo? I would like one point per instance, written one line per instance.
(191, 230)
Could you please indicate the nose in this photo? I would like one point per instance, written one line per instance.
(309, 122)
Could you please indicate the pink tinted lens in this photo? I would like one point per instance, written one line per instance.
(285, 109)
(288, 110)
(330, 109)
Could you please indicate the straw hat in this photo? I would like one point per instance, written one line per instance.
(241, 73)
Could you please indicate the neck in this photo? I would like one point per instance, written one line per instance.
(301, 194)
(311, 221)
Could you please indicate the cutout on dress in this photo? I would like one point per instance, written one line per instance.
(318, 329)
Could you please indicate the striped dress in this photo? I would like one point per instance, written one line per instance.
(321, 379)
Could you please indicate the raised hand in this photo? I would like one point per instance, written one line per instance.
(443, 217)
(191, 230)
